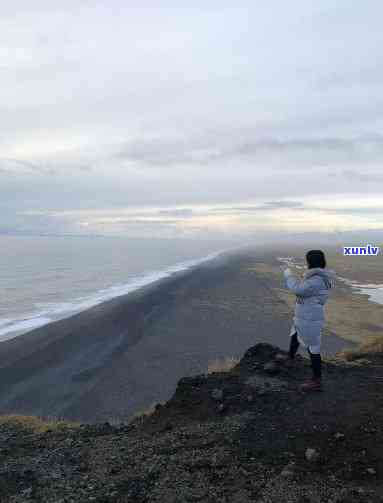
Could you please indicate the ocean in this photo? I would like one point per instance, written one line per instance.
(45, 278)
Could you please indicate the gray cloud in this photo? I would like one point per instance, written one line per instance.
(21, 167)
(181, 212)
(305, 152)
(349, 211)
(14, 166)
(133, 104)
(137, 221)
(361, 176)
(267, 206)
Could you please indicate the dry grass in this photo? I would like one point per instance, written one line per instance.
(117, 421)
(267, 270)
(222, 365)
(366, 269)
(349, 315)
(141, 414)
(36, 424)
(373, 345)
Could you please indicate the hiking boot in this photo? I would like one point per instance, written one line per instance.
(313, 384)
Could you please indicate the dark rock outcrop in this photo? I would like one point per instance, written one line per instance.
(209, 446)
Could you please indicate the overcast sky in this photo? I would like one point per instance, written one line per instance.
(163, 118)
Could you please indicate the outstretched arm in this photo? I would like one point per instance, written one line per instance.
(304, 288)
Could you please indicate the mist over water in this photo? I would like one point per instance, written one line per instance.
(47, 278)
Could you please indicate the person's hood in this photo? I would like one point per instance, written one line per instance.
(328, 275)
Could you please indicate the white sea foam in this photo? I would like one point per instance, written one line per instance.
(22, 326)
(5, 321)
(48, 312)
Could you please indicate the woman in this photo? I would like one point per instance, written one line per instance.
(312, 293)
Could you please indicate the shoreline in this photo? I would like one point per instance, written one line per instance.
(121, 356)
(137, 295)
(11, 328)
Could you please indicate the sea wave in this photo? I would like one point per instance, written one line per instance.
(47, 312)
(23, 325)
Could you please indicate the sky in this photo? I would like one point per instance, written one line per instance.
(191, 119)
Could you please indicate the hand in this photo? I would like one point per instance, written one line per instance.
(287, 272)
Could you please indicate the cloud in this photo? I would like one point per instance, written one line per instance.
(302, 151)
(267, 206)
(349, 211)
(181, 212)
(215, 105)
(20, 166)
(134, 221)
(274, 216)
(361, 176)
(281, 204)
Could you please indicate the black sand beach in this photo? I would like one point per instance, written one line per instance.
(120, 357)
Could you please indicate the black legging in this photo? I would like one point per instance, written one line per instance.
(316, 360)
